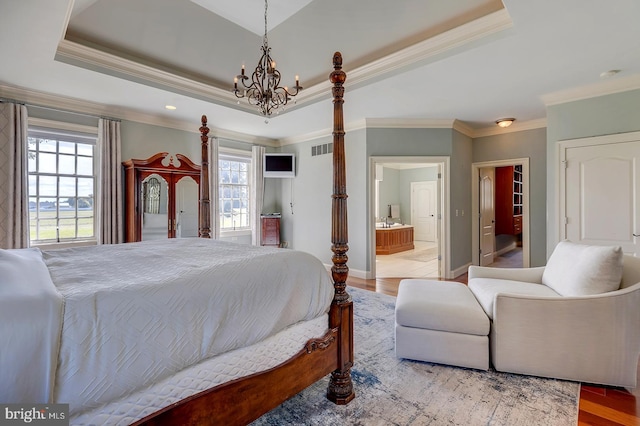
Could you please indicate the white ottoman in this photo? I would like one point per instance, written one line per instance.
(441, 322)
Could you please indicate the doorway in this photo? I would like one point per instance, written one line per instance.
(500, 198)
(414, 190)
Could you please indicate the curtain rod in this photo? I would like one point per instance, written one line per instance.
(15, 101)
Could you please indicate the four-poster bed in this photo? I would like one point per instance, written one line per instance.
(243, 400)
(180, 331)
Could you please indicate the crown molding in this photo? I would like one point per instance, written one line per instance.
(97, 60)
(77, 106)
(408, 123)
(71, 127)
(94, 59)
(600, 88)
(464, 128)
(421, 51)
(420, 123)
(426, 49)
(348, 127)
(517, 126)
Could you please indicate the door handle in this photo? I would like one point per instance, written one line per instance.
(636, 235)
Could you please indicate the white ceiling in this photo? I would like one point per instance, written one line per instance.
(406, 61)
(249, 14)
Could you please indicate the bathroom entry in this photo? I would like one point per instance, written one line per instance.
(406, 195)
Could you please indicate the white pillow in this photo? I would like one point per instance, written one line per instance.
(580, 270)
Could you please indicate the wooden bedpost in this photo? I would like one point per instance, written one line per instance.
(243, 400)
(204, 222)
(340, 388)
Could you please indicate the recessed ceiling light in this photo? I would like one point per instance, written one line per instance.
(171, 107)
(505, 122)
(609, 73)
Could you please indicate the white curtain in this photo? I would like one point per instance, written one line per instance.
(257, 192)
(214, 199)
(111, 210)
(14, 205)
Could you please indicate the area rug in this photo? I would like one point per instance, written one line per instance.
(392, 391)
(425, 255)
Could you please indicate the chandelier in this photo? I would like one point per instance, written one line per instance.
(265, 91)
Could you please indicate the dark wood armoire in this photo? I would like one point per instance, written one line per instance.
(167, 169)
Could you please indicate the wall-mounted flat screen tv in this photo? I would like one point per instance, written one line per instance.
(279, 165)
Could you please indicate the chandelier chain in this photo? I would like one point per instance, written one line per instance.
(265, 40)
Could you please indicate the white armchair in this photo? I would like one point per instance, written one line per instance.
(535, 330)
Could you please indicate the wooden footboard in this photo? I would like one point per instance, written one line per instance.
(244, 400)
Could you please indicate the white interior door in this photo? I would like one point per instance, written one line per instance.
(602, 184)
(487, 216)
(424, 210)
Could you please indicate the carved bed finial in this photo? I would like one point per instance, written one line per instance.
(337, 76)
(204, 221)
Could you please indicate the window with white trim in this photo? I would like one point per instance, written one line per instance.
(234, 191)
(62, 186)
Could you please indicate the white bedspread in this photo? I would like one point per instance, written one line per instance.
(30, 323)
(137, 313)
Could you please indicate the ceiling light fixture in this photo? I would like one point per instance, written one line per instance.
(265, 91)
(505, 122)
(170, 107)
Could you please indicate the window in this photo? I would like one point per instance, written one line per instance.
(61, 186)
(234, 190)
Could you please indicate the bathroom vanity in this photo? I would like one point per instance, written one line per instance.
(393, 239)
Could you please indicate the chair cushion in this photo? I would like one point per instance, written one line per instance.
(440, 305)
(580, 270)
(485, 290)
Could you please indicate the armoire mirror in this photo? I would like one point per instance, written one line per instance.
(162, 197)
(155, 200)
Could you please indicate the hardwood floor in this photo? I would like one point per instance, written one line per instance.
(598, 406)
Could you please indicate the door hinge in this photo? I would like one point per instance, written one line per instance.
(566, 220)
(439, 257)
(565, 163)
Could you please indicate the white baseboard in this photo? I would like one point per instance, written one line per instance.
(356, 273)
(506, 249)
(459, 271)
